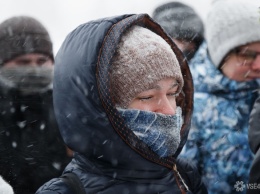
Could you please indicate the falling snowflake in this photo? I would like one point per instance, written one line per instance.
(21, 124)
(42, 126)
(14, 144)
(56, 165)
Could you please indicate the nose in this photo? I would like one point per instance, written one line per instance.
(166, 106)
(256, 63)
(33, 65)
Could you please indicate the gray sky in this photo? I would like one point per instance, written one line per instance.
(62, 16)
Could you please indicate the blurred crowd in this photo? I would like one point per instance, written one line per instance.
(137, 103)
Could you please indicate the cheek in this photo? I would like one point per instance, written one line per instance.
(148, 105)
(172, 101)
(48, 63)
(235, 71)
(11, 64)
(239, 73)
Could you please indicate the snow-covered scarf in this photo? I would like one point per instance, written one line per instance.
(160, 132)
(27, 79)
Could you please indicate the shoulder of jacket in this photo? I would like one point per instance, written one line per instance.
(54, 186)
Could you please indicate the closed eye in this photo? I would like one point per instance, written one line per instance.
(143, 98)
(23, 61)
(42, 61)
(173, 94)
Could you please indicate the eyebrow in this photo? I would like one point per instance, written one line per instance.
(157, 87)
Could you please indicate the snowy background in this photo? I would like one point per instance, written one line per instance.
(62, 16)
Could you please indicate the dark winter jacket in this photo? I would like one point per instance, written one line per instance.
(31, 148)
(254, 141)
(109, 158)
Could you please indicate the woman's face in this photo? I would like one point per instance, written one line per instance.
(243, 64)
(161, 98)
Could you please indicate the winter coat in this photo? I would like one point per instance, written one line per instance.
(108, 157)
(31, 148)
(254, 142)
(218, 140)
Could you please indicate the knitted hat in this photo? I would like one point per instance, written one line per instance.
(180, 21)
(231, 23)
(142, 59)
(23, 35)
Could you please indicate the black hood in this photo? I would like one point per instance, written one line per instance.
(88, 121)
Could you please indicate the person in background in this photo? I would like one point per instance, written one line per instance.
(225, 71)
(31, 149)
(183, 24)
(5, 188)
(130, 97)
(254, 142)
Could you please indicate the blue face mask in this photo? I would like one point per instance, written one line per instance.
(160, 132)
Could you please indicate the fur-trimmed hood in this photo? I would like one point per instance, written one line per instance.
(87, 119)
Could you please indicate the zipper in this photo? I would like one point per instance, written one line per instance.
(180, 182)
